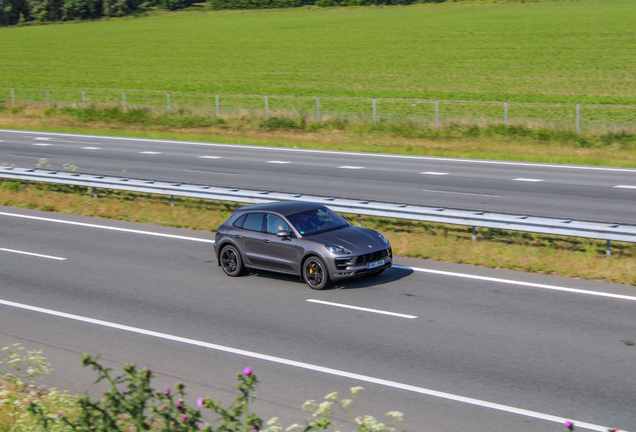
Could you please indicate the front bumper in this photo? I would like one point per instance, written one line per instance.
(350, 267)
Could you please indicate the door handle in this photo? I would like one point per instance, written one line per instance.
(267, 241)
(239, 236)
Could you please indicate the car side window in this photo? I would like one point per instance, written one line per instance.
(253, 222)
(240, 221)
(276, 223)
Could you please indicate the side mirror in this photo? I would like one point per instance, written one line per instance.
(345, 218)
(283, 233)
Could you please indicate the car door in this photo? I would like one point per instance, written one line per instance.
(249, 238)
(281, 253)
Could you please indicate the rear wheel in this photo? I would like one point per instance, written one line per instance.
(315, 273)
(231, 261)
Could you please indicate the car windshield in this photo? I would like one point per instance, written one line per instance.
(316, 221)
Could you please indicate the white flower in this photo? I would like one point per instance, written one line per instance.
(332, 395)
(395, 414)
(293, 427)
(355, 390)
(346, 402)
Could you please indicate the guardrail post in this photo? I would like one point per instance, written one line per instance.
(474, 234)
(318, 108)
(216, 97)
(169, 107)
(26, 184)
(94, 192)
(359, 221)
(266, 108)
(578, 118)
(506, 113)
(608, 250)
(123, 100)
(12, 96)
(83, 99)
(375, 114)
(48, 98)
(171, 200)
(436, 113)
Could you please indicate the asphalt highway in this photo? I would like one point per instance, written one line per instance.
(453, 347)
(573, 192)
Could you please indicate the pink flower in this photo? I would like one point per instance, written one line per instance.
(166, 391)
(184, 417)
(58, 415)
(247, 371)
(201, 402)
(569, 425)
(164, 406)
(177, 406)
(180, 401)
(201, 426)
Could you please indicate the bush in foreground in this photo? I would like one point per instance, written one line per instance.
(131, 404)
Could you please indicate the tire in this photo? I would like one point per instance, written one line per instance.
(315, 273)
(231, 261)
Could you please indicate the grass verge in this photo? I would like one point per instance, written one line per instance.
(554, 255)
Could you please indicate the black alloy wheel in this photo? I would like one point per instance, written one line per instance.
(231, 262)
(315, 273)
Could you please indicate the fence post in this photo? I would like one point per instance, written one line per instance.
(216, 98)
(474, 234)
(123, 100)
(359, 221)
(375, 113)
(169, 107)
(436, 113)
(318, 108)
(578, 118)
(608, 250)
(94, 192)
(266, 107)
(83, 99)
(48, 98)
(506, 113)
(12, 96)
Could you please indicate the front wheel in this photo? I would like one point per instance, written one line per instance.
(231, 261)
(315, 273)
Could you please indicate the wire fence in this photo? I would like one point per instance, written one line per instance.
(426, 112)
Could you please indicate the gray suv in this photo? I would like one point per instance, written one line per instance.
(299, 238)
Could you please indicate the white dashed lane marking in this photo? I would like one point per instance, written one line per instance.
(209, 157)
(350, 167)
(32, 254)
(433, 173)
(625, 187)
(150, 152)
(459, 193)
(278, 162)
(528, 180)
(42, 144)
(91, 148)
(362, 309)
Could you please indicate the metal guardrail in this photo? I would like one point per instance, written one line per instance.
(482, 219)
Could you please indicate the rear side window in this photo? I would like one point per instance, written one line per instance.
(250, 221)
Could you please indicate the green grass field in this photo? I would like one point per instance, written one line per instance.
(569, 52)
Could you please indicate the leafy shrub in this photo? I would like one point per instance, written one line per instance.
(11, 186)
(278, 123)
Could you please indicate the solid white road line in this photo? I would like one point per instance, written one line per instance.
(460, 193)
(251, 147)
(527, 180)
(33, 254)
(417, 269)
(108, 227)
(625, 187)
(311, 367)
(433, 173)
(521, 283)
(362, 309)
(350, 167)
(150, 152)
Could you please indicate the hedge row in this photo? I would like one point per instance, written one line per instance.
(271, 4)
(19, 11)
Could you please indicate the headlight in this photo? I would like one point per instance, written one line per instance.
(384, 239)
(337, 249)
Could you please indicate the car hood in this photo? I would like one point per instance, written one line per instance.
(357, 240)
